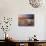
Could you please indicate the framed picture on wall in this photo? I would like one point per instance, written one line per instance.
(26, 20)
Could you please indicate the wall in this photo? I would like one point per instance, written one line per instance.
(13, 8)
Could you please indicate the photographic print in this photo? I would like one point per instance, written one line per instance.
(26, 20)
